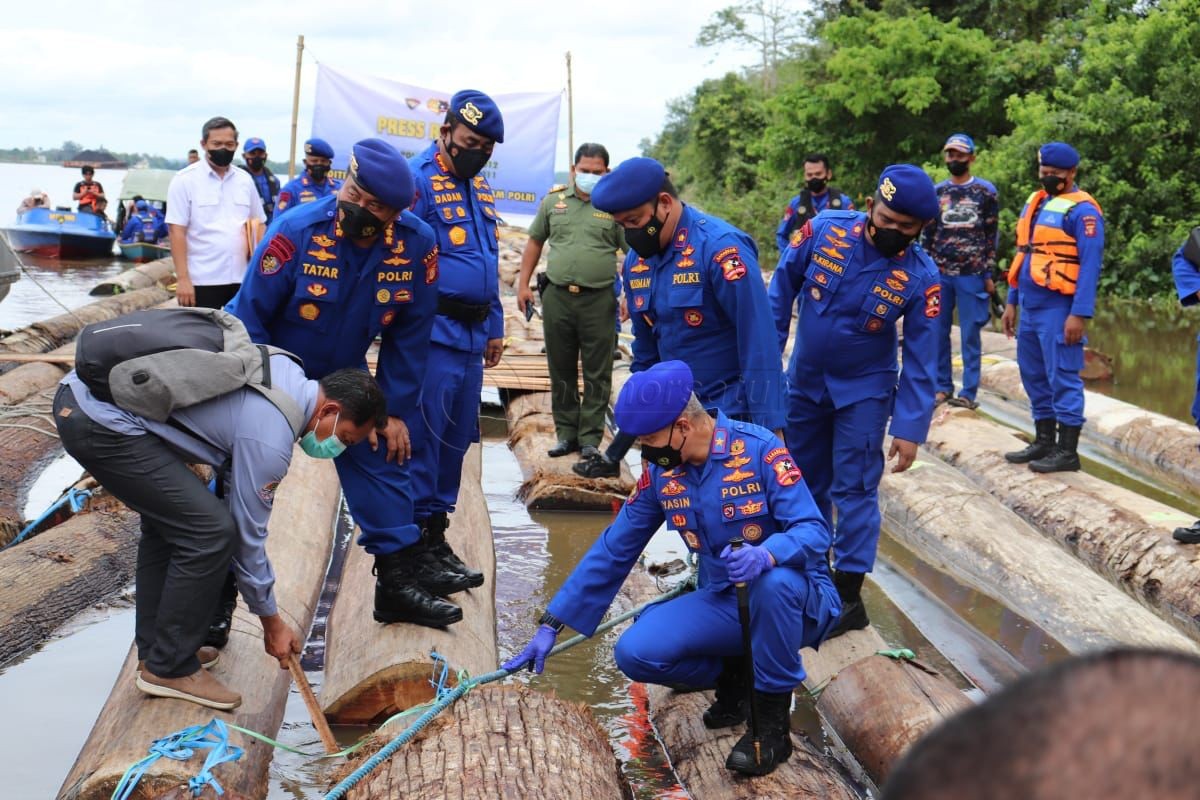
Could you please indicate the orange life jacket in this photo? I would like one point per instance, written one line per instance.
(1053, 253)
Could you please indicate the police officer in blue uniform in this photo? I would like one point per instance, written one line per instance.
(314, 183)
(143, 225)
(694, 293)
(857, 274)
(254, 153)
(817, 196)
(1052, 278)
(711, 479)
(327, 280)
(454, 198)
(1185, 266)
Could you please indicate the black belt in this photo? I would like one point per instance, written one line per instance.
(463, 312)
(575, 288)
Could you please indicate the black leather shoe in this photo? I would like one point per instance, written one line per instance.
(435, 537)
(853, 618)
(563, 448)
(729, 707)
(1190, 535)
(1040, 447)
(400, 597)
(775, 737)
(597, 467)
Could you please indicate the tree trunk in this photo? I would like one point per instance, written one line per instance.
(373, 671)
(502, 742)
(1155, 445)
(1122, 535)
(300, 537)
(27, 444)
(56, 331)
(960, 528)
(143, 276)
(26, 380)
(46, 581)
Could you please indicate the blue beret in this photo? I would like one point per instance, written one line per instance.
(653, 399)
(254, 143)
(906, 189)
(634, 182)
(379, 169)
(141, 205)
(479, 113)
(959, 141)
(318, 147)
(1058, 154)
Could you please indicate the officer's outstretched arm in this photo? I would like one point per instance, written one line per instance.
(1087, 226)
(1187, 277)
(787, 280)
(803, 536)
(402, 352)
(915, 393)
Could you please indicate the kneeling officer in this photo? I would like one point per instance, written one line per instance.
(130, 415)
(711, 479)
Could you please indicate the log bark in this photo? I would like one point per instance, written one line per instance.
(1123, 536)
(56, 331)
(27, 444)
(373, 671)
(880, 707)
(1155, 445)
(507, 743)
(143, 276)
(962, 529)
(46, 581)
(299, 542)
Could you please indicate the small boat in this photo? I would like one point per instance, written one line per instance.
(61, 233)
(10, 267)
(140, 252)
(151, 185)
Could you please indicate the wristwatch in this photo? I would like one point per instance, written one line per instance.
(552, 621)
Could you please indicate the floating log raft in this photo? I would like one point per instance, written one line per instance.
(143, 276)
(299, 544)
(56, 331)
(962, 529)
(502, 742)
(1122, 535)
(373, 671)
(46, 581)
(28, 442)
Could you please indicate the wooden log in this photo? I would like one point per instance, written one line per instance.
(299, 542)
(28, 442)
(880, 707)
(143, 276)
(507, 743)
(55, 331)
(1122, 535)
(961, 529)
(43, 371)
(1155, 445)
(373, 671)
(47, 580)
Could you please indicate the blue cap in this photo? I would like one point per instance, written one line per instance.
(653, 399)
(1058, 154)
(906, 189)
(959, 141)
(379, 169)
(254, 143)
(140, 205)
(319, 148)
(635, 181)
(479, 113)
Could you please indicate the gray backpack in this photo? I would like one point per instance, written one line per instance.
(156, 361)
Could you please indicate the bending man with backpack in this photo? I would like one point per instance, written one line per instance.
(155, 390)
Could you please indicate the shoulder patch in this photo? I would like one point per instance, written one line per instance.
(267, 492)
(933, 301)
(802, 234)
(278, 250)
(1090, 225)
(643, 483)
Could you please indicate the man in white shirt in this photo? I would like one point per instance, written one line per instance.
(213, 213)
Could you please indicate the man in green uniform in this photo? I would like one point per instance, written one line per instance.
(578, 303)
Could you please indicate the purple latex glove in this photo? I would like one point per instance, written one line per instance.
(747, 562)
(535, 652)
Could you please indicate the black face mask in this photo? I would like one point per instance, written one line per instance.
(644, 240)
(665, 456)
(358, 222)
(816, 185)
(256, 163)
(1053, 185)
(318, 172)
(222, 157)
(888, 241)
(467, 163)
(958, 168)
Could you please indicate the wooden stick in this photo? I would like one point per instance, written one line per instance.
(39, 358)
(314, 708)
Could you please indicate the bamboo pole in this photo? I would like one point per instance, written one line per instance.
(570, 114)
(295, 106)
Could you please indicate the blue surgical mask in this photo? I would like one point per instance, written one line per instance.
(323, 448)
(585, 181)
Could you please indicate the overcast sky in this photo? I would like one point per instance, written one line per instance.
(141, 76)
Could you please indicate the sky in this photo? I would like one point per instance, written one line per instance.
(141, 76)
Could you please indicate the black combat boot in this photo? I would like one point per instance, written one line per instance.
(730, 706)
(435, 538)
(222, 622)
(1065, 457)
(400, 597)
(1041, 446)
(775, 737)
(854, 613)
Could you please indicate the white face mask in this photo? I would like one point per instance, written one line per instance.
(585, 181)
